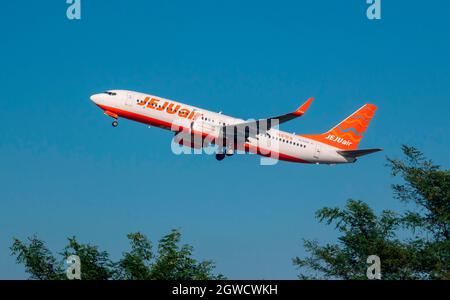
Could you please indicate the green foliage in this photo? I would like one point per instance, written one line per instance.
(170, 262)
(423, 255)
(38, 260)
(428, 188)
(362, 234)
(136, 264)
(175, 262)
(96, 264)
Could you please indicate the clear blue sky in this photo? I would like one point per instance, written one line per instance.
(65, 171)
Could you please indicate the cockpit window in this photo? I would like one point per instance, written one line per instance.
(110, 93)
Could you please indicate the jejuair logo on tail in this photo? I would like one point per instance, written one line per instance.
(337, 139)
(169, 108)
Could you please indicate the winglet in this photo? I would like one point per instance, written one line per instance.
(302, 109)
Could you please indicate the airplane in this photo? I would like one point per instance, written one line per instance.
(201, 128)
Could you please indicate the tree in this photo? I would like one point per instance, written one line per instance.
(136, 264)
(428, 188)
(363, 234)
(38, 260)
(424, 254)
(140, 263)
(174, 262)
(171, 262)
(95, 264)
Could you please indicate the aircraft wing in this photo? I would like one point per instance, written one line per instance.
(252, 128)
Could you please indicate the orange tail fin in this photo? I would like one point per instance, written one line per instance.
(347, 134)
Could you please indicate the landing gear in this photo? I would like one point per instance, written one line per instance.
(114, 116)
(222, 152)
(220, 156)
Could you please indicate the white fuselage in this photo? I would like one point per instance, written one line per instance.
(164, 113)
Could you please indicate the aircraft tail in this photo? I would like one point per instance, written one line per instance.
(347, 134)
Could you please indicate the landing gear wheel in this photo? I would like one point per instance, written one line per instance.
(229, 152)
(220, 156)
(115, 123)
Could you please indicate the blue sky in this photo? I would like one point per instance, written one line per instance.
(65, 171)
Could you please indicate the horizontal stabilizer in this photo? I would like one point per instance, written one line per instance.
(357, 153)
